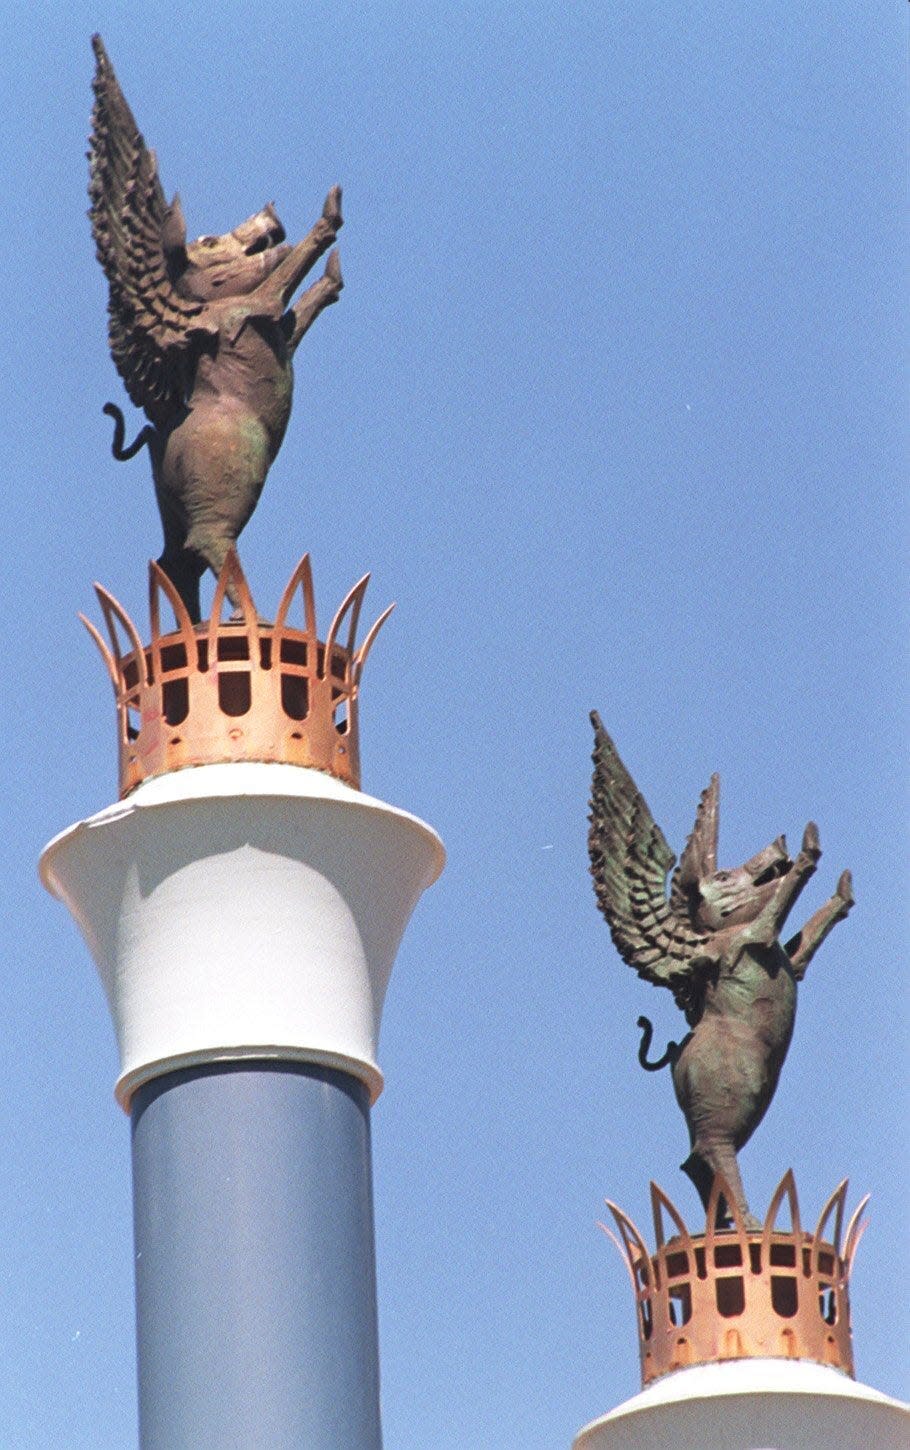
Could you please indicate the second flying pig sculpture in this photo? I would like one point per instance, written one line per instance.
(715, 943)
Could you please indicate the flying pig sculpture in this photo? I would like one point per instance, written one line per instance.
(715, 943)
(202, 335)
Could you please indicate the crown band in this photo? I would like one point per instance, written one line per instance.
(241, 689)
(742, 1293)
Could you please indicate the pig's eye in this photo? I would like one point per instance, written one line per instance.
(770, 874)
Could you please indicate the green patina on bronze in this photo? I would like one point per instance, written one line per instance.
(715, 943)
(202, 335)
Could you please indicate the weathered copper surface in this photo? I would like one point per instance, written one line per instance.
(202, 336)
(715, 944)
(741, 1293)
(241, 689)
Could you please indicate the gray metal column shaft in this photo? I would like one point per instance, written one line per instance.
(255, 1265)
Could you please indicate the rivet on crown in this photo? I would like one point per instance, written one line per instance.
(237, 689)
(738, 1293)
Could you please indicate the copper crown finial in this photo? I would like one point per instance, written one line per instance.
(237, 689)
(742, 1293)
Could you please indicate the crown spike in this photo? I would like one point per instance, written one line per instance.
(641, 1259)
(105, 652)
(660, 1205)
(835, 1204)
(160, 583)
(720, 1189)
(360, 657)
(353, 600)
(112, 610)
(309, 597)
(356, 607)
(302, 578)
(232, 576)
(855, 1230)
(622, 1253)
(785, 1189)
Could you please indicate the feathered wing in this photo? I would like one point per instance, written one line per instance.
(152, 329)
(699, 857)
(630, 860)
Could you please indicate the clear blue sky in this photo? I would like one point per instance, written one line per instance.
(614, 406)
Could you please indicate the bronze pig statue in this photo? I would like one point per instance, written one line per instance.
(201, 334)
(716, 945)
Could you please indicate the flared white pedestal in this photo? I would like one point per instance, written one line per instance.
(753, 1404)
(244, 911)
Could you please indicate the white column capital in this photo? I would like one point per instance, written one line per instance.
(244, 911)
(752, 1404)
